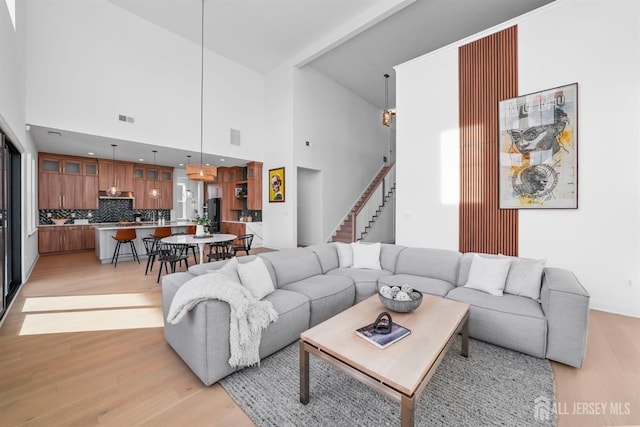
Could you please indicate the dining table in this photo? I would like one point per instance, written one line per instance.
(189, 239)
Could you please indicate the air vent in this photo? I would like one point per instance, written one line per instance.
(235, 137)
(124, 118)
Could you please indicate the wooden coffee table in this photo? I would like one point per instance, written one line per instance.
(400, 371)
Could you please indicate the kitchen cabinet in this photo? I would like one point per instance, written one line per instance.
(236, 228)
(55, 239)
(66, 182)
(89, 237)
(241, 189)
(147, 177)
(120, 172)
(254, 186)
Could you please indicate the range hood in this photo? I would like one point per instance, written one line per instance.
(126, 195)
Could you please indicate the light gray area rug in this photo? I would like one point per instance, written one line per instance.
(494, 386)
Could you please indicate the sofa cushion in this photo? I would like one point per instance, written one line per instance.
(525, 277)
(435, 263)
(292, 265)
(366, 255)
(327, 255)
(366, 281)
(427, 285)
(293, 311)
(230, 268)
(465, 265)
(255, 277)
(328, 295)
(509, 321)
(209, 267)
(488, 275)
(389, 256)
(345, 255)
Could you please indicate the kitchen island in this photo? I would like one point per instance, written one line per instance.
(106, 245)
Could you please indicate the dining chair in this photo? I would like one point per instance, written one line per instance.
(124, 235)
(220, 250)
(242, 243)
(191, 229)
(169, 255)
(150, 245)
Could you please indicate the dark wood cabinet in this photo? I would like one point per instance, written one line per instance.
(119, 172)
(241, 189)
(234, 228)
(55, 239)
(254, 186)
(66, 182)
(148, 177)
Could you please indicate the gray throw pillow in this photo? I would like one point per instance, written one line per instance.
(525, 277)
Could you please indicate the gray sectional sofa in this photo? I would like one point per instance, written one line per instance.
(310, 287)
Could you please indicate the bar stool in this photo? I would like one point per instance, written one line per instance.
(124, 235)
(151, 245)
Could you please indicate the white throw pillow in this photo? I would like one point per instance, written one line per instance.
(255, 277)
(525, 277)
(345, 255)
(366, 256)
(230, 268)
(488, 274)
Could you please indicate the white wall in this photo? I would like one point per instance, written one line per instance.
(347, 142)
(279, 219)
(597, 44)
(89, 61)
(12, 112)
(426, 132)
(309, 207)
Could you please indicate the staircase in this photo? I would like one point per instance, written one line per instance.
(361, 217)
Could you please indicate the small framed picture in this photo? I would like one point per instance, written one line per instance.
(276, 185)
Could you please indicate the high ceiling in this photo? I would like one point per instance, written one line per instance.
(354, 42)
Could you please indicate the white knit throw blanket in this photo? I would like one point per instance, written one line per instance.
(248, 314)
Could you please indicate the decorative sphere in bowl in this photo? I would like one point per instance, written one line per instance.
(402, 300)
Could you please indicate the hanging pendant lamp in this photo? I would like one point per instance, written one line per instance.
(113, 189)
(154, 193)
(387, 114)
(201, 172)
(188, 194)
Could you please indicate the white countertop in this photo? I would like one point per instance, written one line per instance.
(117, 225)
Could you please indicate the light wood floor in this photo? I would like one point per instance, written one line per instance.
(91, 375)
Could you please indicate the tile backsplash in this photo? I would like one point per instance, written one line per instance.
(109, 210)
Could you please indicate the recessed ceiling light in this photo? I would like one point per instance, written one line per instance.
(180, 164)
(222, 160)
(91, 153)
(141, 160)
(53, 132)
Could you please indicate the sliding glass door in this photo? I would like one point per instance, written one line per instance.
(10, 222)
(3, 224)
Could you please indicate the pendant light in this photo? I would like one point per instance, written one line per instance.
(188, 194)
(201, 172)
(113, 190)
(387, 114)
(154, 193)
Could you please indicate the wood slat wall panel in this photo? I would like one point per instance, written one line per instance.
(488, 73)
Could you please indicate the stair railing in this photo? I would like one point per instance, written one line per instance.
(362, 216)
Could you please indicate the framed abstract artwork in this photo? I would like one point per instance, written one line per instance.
(538, 150)
(276, 185)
